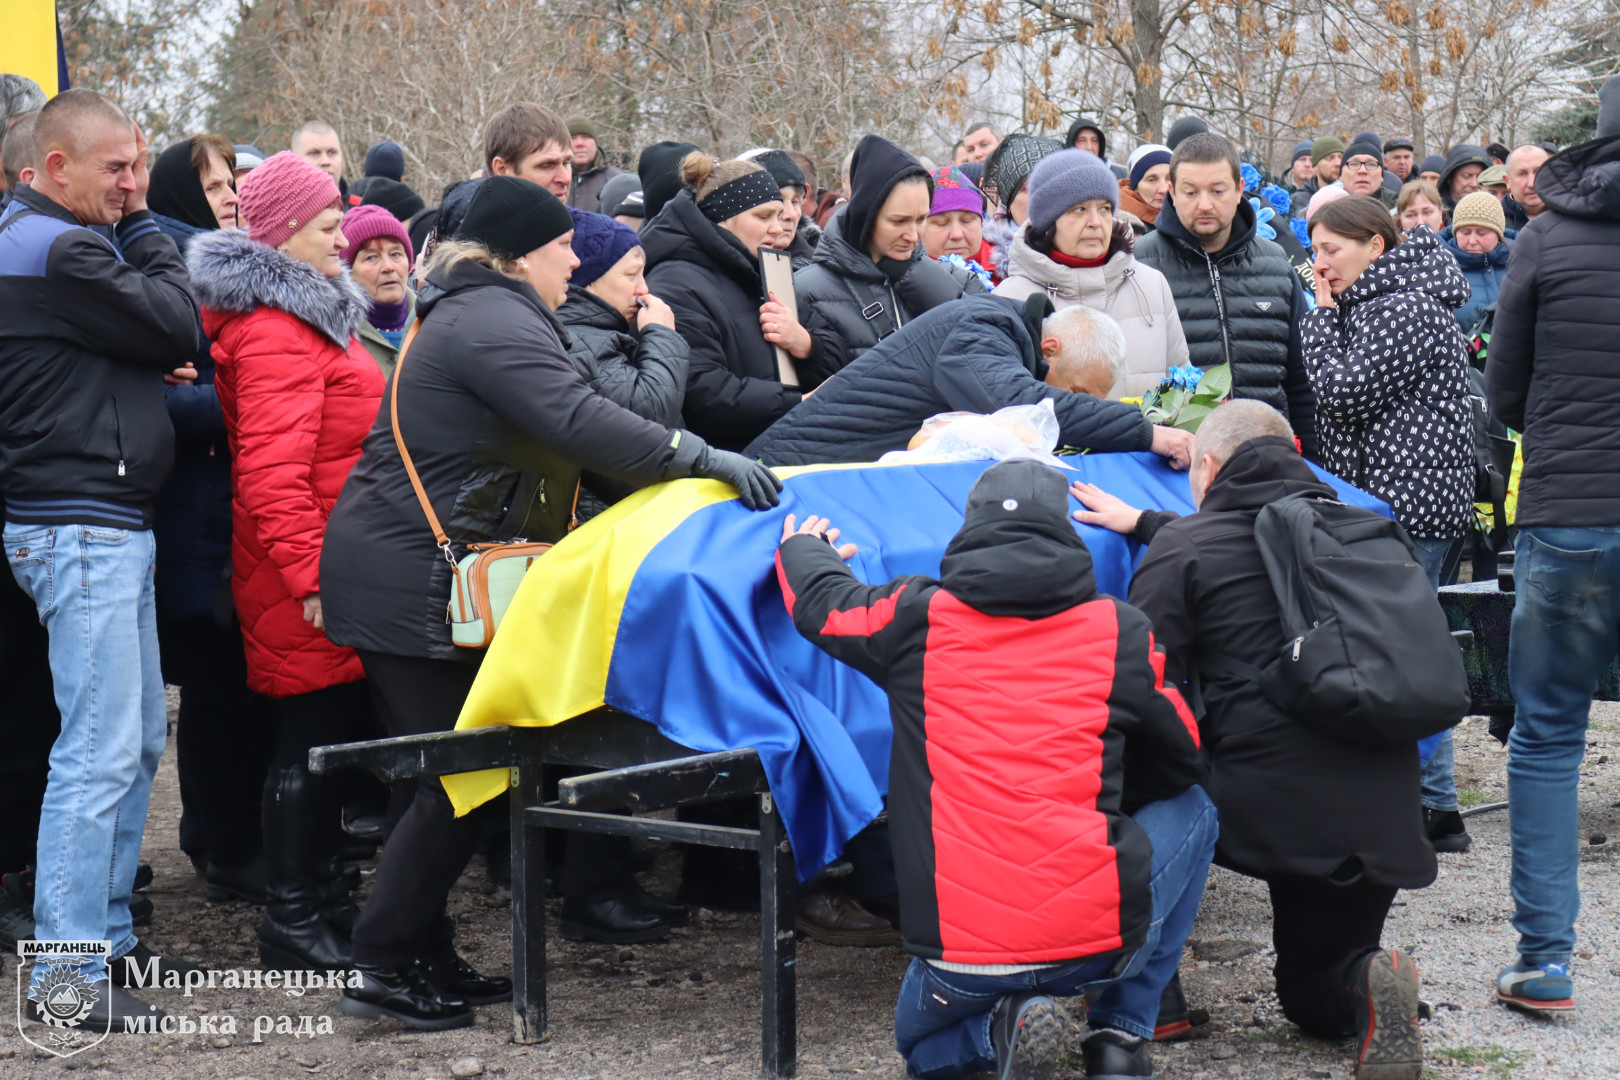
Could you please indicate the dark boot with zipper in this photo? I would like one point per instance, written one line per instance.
(294, 932)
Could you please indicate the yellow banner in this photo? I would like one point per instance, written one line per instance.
(28, 45)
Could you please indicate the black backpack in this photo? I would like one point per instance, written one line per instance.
(1368, 656)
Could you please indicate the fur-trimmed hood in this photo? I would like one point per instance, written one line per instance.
(230, 273)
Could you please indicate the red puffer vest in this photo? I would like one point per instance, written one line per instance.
(297, 405)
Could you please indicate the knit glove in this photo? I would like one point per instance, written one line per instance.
(756, 485)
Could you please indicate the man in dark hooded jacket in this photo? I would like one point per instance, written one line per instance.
(1049, 834)
(979, 355)
(1334, 828)
(1555, 355)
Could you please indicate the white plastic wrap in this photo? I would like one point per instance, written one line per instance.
(1018, 431)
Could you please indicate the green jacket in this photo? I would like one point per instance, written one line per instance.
(378, 346)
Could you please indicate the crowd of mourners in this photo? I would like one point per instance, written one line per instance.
(252, 409)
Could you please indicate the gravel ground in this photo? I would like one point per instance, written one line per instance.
(688, 1008)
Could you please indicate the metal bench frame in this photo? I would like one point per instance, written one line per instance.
(640, 771)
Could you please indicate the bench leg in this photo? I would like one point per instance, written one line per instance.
(778, 893)
(528, 908)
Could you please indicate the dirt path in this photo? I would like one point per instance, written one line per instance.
(688, 1008)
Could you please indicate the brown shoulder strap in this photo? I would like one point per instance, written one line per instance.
(399, 442)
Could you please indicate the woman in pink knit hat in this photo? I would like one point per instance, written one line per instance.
(380, 257)
(299, 392)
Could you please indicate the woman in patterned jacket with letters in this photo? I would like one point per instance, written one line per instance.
(1389, 367)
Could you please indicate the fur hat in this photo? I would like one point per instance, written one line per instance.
(368, 223)
(1479, 208)
(281, 196)
(599, 243)
(511, 217)
(1065, 180)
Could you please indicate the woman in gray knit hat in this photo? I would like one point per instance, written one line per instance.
(1074, 249)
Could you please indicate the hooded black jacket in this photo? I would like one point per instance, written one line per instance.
(1554, 370)
(1292, 800)
(1390, 370)
(499, 423)
(979, 355)
(1241, 305)
(831, 309)
(1080, 125)
(87, 331)
(1013, 768)
(712, 282)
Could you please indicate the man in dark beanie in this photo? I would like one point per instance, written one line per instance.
(616, 199)
(1187, 125)
(591, 168)
(1327, 161)
(393, 196)
(1399, 160)
(1433, 165)
(385, 159)
(1362, 172)
(1299, 167)
(660, 170)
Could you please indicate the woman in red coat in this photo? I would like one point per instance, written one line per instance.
(299, 392)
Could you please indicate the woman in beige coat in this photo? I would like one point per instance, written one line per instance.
(1074, 250)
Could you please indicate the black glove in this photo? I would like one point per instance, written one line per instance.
(756, 485)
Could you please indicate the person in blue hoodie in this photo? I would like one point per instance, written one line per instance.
(1481, 242)
(221, 766)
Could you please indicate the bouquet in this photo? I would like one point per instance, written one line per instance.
(1187, 395)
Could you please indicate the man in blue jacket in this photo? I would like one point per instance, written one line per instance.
(93, 327)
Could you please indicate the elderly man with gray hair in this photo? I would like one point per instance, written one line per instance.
(1333, 828)
(20, 96)
(978, 355)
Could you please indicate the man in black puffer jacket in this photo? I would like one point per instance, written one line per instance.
(870, 274)
(1238, 298)
(981, 355)
(1554, 374)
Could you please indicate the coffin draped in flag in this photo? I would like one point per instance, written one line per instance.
(667, 607)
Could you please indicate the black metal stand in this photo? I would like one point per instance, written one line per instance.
(640, 771)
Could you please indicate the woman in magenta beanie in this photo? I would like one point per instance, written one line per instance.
(380, 257)
(299, 392)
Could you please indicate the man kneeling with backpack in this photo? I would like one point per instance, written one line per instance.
(1318, 796)
(1050, 837)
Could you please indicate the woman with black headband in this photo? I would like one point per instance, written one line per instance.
(871, 273)
(703, 259)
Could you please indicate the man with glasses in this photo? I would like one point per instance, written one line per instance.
(1362, 172)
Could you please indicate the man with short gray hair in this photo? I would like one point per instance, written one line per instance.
(978, 355)
(1334, 829)
(20, 96)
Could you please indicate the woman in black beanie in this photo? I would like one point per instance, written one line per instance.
(703, 259)
(871, 274)
(499, 424)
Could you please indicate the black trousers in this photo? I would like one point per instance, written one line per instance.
(333, 714)
(223, 739)
(1320, 930)
(404, 917)
(29, 723)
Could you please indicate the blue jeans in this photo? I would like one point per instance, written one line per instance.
(94, 593)
(942, 1020)
(1439, 782)
(1566, 627)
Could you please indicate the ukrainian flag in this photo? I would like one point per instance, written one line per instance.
(32, 45)
(667, 607)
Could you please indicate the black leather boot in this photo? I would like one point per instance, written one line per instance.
(408, 994)
(294, 933)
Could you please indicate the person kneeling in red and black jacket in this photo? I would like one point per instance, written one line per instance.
(1043, 790)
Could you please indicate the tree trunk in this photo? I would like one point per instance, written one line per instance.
(1147, 49)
